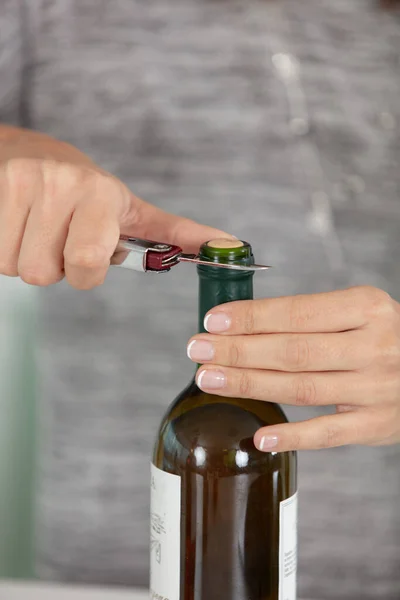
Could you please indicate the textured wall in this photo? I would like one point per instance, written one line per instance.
(184, 100)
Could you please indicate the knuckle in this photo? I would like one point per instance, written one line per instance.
(369, 355)
(61, 178)
(87, 257)
(389, 349)
(297, 353)
(295, 441)
(382, 349)
(234, 354)
(103, 184)
(331, 437)
(245, 385)
(377, 303)
(20, 173)
(248, 319)
(385, 389)
(61, 175)
(57, 180)
(305, 392)
(299, 312)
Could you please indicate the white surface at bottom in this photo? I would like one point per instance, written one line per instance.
(40, 591)
(36, 591)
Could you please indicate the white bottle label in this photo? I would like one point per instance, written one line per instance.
(288, 548)
(165, 539)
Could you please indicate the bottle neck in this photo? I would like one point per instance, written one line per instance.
(218, 286)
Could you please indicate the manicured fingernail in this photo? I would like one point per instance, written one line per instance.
(211, 380)
(217, 322)
(267, 442)
(200, 350)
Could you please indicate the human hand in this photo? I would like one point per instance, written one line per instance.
(62, 215)
(340, 348)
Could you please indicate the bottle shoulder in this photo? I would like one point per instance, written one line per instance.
(200, 428)
(192, 404)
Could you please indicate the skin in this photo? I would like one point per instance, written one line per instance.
(61, 215)
(340, 349)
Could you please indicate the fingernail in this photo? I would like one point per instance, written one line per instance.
(217, 322)
(199, 350)
(267, 442)
(211, 380)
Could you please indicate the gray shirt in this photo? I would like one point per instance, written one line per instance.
(276, 121)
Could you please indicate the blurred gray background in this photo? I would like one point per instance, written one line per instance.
(276, 121)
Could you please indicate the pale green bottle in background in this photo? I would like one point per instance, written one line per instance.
(18, 303)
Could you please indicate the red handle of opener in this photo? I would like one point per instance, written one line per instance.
(155, 260)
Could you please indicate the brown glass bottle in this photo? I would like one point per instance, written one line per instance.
(223, 514)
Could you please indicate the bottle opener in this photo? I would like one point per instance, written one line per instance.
(145, 255)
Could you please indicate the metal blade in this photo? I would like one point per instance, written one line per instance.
(206, 263)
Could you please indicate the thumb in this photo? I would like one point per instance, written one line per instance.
(152, 223)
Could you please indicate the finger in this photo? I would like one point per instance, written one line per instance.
(286, 352)
(358, 427)
(297, 389)
(150, 222)
(93, 234)
(18, 186)
(329, 312)
(92, 237)
(41, 260)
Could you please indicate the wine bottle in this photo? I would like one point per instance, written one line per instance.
(223, 513)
